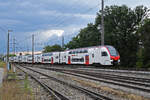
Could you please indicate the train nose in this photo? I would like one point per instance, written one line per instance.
(116, 58)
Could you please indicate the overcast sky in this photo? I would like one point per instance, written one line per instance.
(49, 20)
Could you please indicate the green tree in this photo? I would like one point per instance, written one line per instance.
(10, 55)
(52, 48)
(121, 30)
(121, 25)
(139, 63)
(88, 36)
(74, 43)
(144, 32)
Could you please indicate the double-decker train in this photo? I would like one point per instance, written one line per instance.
(100, 55)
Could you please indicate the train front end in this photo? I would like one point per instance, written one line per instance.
(114, 55)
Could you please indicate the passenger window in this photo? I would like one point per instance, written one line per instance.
(85, 51)
(93, 55)
(81, 51)
(73, 52)
(104, 53)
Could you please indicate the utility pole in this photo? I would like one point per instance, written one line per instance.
(8, 49)
(32, 48)
(102, 22)
(62, 41)
(14, 47)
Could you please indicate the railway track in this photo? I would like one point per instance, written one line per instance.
(131, 80)
(145, 80)
(57, 95)
(141, 84)
(94, 95)
(125, 71)
(100, 68)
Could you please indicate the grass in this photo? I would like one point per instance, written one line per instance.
(27, 84)
(11, 90)
(109, 90)
(14, 89)
(2, 64)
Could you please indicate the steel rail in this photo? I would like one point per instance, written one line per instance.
(94, 95)
(97, 78)
(57, 95)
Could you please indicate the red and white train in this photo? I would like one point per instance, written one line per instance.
(102, 55)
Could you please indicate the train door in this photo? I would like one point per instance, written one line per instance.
(63, 58)
(104, 57)
(59, 58)
(87, 59)
(69, 60)
(42, 59)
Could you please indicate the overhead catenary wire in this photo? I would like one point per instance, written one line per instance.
(82, 13)
(28, 37)
(61, 22)
(56, 19)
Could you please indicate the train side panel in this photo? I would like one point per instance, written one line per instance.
(63, 57)
(56, 58)
(47, 58)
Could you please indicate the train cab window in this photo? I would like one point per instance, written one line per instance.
(104, 53)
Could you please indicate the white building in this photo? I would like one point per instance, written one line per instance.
(26, 53)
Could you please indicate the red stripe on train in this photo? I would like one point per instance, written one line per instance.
(115, 57)
(69, 60)
(87, 59)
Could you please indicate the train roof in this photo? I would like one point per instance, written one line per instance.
(73, 49)
(88, 47)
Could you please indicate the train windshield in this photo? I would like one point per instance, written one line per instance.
(112, 50)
